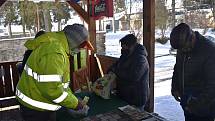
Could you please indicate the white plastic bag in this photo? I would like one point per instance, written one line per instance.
(102, 86)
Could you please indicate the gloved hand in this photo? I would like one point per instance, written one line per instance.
(190, 102)
(176, 95)
(80, 105)
(80, 112)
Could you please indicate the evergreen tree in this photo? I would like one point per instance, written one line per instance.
(161, 16)
(61, 12)
(10, 15)
(27, 11)
(46, 7)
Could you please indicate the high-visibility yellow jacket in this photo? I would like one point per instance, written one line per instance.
(44, 83)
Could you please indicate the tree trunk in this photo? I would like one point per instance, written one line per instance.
(23, 29)
(162, 32)
(129, 16)
(9, 30)
(185, 14)
(213, 10)
(59, 25)
(113, 24)
(35, 30)
(30, 33)
(100, 25)
(46, 21)
(49, 21)
(173, 13)
(38, 18)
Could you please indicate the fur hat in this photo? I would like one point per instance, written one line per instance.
(76, 34)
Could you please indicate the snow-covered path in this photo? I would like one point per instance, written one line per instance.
(165, 105)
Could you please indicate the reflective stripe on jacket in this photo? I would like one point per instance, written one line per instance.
(44, 83)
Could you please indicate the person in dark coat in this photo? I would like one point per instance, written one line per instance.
(27, 54)
(132, 72)
(193, 81)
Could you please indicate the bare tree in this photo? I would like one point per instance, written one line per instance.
(161, 16)
(173, 14)
(213, 10)
(198, 19)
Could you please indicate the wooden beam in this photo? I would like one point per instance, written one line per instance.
(2, 2)
(82, 13)
(149, 42)
(92, 32)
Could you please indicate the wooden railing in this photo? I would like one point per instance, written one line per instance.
(8, 79)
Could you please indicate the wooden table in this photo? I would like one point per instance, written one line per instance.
(113, 109)
(97, 105)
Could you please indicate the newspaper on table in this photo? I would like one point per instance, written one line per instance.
(137, 115)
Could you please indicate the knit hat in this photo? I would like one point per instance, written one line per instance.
(180, 36)
(76, 34)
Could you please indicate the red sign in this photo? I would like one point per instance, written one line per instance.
(100, 8)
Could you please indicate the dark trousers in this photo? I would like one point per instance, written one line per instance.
(192, 117)
(34, 115)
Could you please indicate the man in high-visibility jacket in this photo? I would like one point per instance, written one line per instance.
(43, 86)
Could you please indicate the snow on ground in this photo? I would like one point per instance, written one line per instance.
(162, 49)
(164, 62)
(164, 104)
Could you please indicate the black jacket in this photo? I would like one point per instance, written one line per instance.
(25, 58)
(133, 76)
(194, 73)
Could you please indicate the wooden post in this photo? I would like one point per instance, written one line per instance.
(92, 32)
(149, 42)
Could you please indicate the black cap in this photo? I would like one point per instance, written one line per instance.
(180, 35)
(129, 40)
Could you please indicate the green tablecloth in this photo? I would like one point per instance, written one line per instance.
(97, 106)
